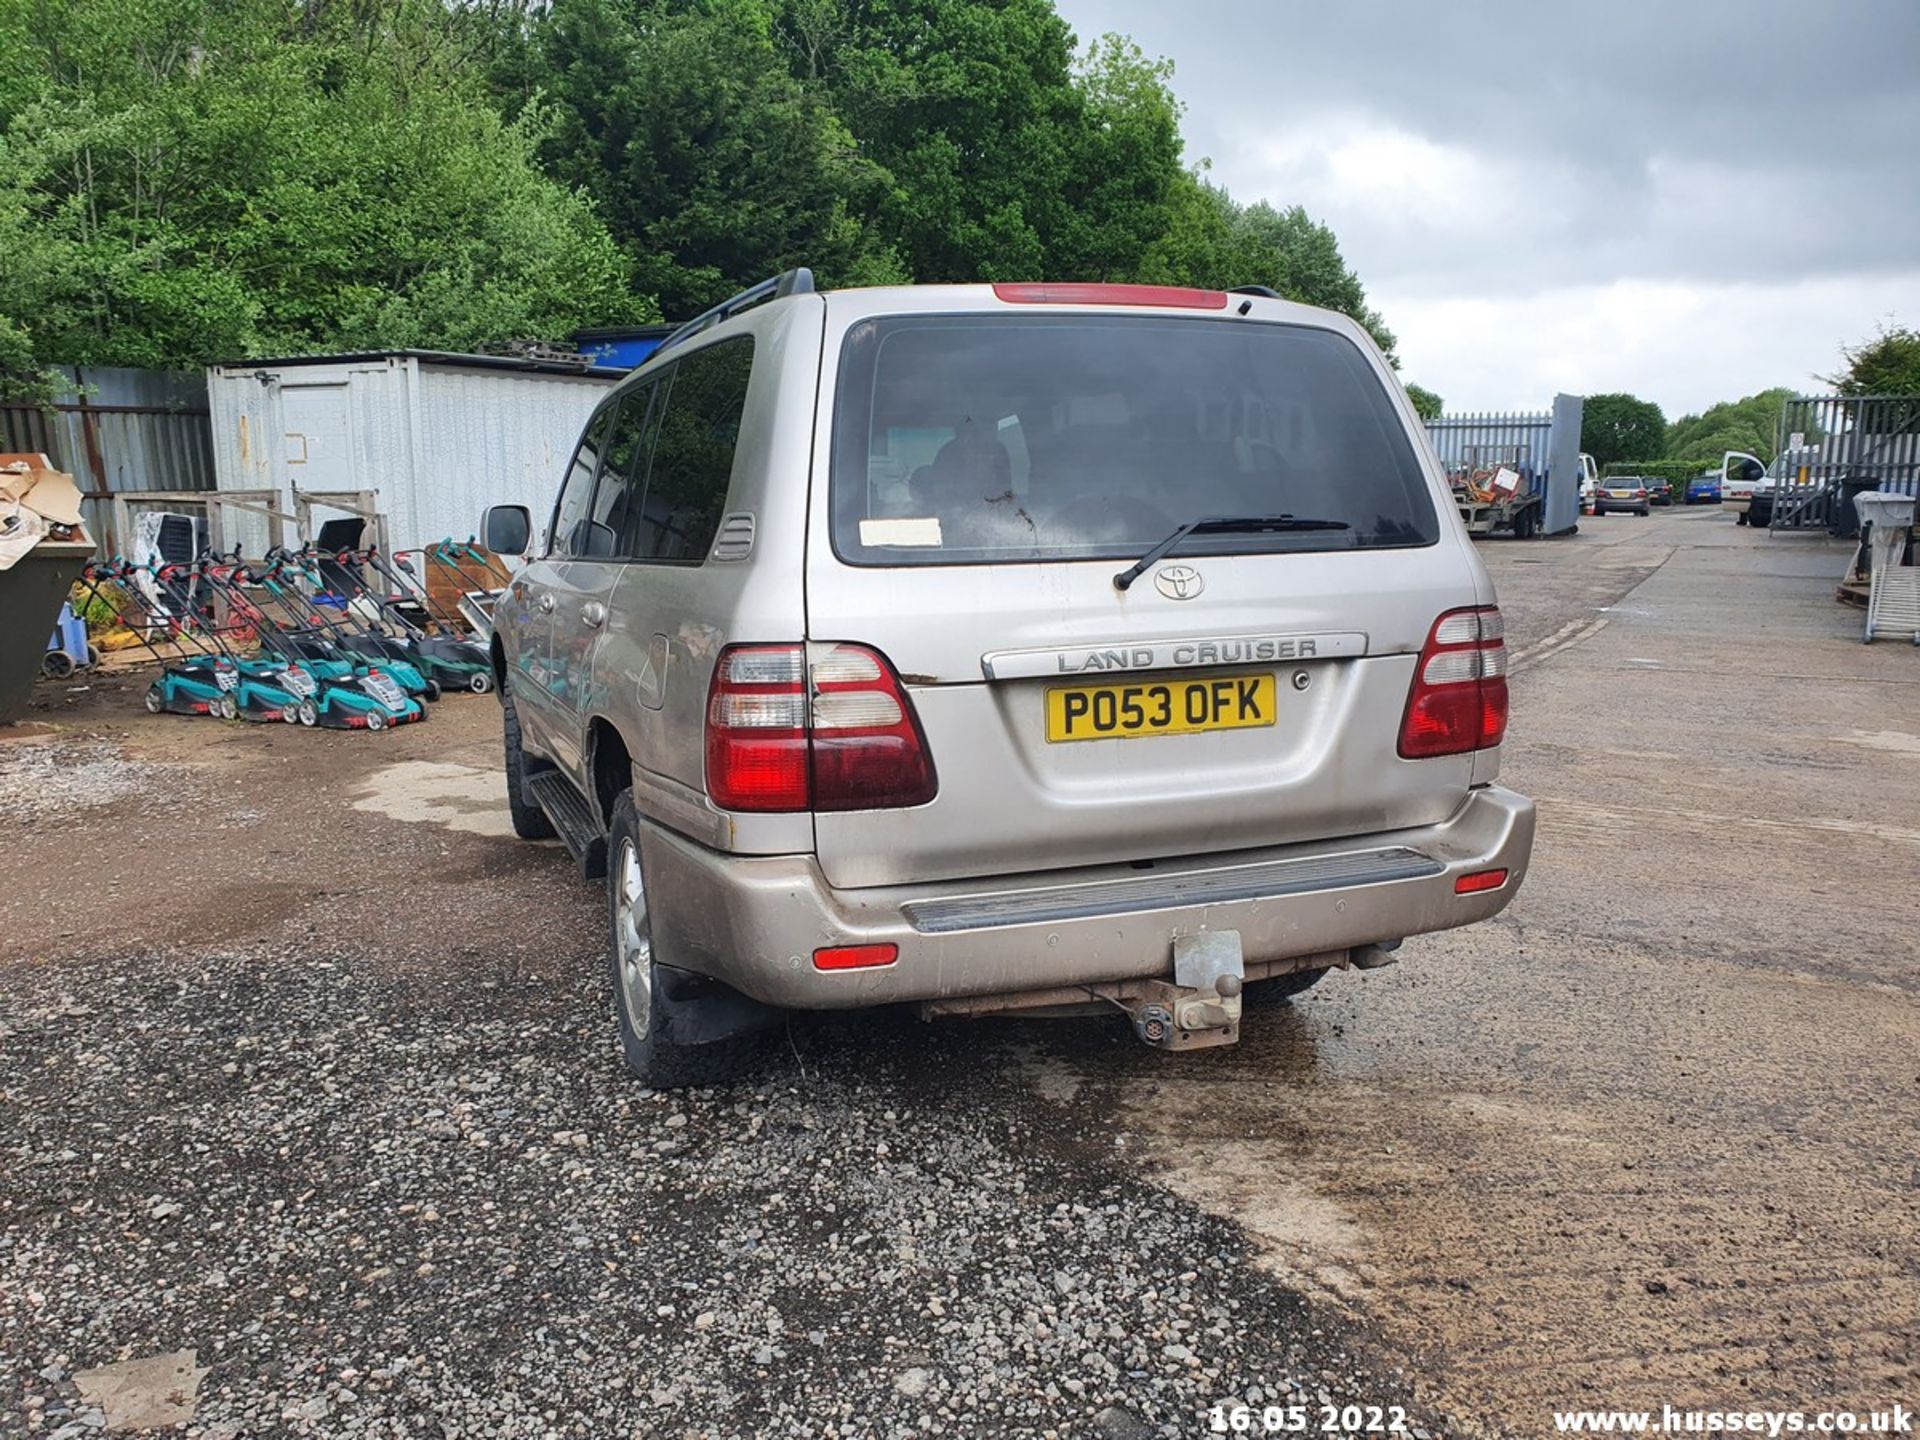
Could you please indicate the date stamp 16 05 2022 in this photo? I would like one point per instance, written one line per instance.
(1237, 1419)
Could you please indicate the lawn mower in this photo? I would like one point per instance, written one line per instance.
(347, 695)
(456, 662)
(320, 632)
(198, 683)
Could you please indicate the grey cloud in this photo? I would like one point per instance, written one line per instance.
(1692, 140)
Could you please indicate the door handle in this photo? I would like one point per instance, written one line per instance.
(546, 604)
(593, 613)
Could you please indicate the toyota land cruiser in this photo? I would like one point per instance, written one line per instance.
(1004, 648)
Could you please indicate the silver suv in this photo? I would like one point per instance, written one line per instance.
(1015, 648)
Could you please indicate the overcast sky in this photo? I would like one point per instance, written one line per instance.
(1691, 200)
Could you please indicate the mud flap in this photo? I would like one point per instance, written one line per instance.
(1202, 1006)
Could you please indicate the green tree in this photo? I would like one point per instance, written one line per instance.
(185, 180)
(1424, 401)
(1750, 425)
(1621, 427)
(714, 167)
(1888, 364)
(1211, 241)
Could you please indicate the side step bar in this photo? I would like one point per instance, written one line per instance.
(573, 818)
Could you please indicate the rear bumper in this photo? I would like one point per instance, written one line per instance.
(755, 921)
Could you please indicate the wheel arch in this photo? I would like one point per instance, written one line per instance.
(609, 766)
(497, 657)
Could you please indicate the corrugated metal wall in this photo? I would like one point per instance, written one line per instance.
(493, 438)
(437, 442)
(117, 430)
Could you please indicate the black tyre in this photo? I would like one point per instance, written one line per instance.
(480, 682)
(56, 665)
(156, 699)
(308, 714)
(433, 689)
(529, 820)
(376, 719)
(652, 1055)
(1281, 988)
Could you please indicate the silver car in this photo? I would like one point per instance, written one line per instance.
(1043, 649)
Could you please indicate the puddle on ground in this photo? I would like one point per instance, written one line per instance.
(438, 792)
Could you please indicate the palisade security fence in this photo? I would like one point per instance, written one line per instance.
(1543, 448)
(119, 431)
(1833, 446)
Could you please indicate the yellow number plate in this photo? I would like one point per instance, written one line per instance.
(1130, 709)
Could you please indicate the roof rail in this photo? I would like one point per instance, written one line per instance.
(792, 282)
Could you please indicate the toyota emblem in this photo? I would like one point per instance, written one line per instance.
(1178, 582)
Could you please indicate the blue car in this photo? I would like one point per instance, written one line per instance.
(1703, 490)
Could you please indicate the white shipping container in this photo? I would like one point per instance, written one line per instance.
(436, 437)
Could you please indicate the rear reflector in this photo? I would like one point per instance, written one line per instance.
(862, 957)
(1172, 297)
(1479, 880)
(1458, 701)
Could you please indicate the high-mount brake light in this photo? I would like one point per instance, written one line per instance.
(1172, 297)
(844, 737)
(1458, 700)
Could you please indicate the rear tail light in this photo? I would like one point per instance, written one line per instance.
(843, 738)
(1458, 702)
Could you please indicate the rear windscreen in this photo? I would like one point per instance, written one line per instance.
(1004, 438)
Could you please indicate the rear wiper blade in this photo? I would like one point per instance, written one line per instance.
(1250, 524)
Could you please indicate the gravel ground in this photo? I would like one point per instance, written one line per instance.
(311, 1076)
(375, 1204)
(42, 781)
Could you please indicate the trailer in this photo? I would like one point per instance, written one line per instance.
(1514, 474)
(1498, 492)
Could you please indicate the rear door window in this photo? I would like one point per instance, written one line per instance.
(696, 429)
(623, 474)
(570, 532)
(996, 439)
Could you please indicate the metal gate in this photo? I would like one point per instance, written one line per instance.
(1832, 446)
(1542, 447)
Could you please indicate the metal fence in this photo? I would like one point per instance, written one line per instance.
(1543, 447)
(1831, 446)
(117, 431)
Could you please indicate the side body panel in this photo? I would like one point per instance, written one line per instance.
(653, 659)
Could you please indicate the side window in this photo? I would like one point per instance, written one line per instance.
(623, 473)
(576, 491)
(695, 433)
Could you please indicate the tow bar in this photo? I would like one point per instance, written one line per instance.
(1201, 1007)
